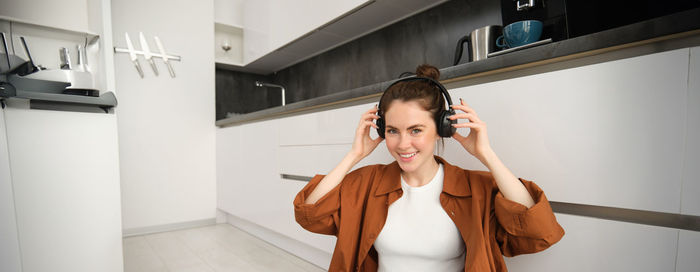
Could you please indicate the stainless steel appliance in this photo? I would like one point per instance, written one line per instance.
(481, 42)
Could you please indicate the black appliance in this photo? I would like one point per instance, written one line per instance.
(552, 13)
(590, 16)
(563, 19)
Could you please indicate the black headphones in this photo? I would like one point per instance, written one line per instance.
(442, 123)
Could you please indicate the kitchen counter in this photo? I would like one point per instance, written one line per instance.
(666, 28)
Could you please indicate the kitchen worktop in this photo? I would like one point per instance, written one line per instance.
(674, 26)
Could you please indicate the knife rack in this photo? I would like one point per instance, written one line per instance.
(138, 52)
(145, 53)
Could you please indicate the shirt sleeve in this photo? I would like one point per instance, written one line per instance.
(522, 230)
(322, 216)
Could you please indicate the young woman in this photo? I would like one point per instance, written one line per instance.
(421, 213)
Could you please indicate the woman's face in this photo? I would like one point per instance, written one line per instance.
(410, 135)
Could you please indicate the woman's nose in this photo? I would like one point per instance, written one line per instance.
(404, 142)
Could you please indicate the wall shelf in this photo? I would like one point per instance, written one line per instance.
(45, 39)
(53, 94)
(232, 37)
(228, 25)
(105, 101)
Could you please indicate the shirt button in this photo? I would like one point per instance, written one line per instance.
(453, 213)
(371, 236)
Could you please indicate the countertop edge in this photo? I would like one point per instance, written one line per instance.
(678, 25)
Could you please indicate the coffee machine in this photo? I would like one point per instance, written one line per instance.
(552, 14)
(564, 19)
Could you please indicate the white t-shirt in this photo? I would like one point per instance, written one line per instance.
(418, 235)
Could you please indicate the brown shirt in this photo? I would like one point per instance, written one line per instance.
(490, 225)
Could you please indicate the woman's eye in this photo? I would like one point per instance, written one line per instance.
(416, 131)
(391, 131)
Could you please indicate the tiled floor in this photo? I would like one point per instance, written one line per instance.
(220, 247)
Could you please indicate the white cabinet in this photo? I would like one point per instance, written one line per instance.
(256, 29)
(271, 24)
(65, 14)
(688, 248)
(290, 20)
(585, 135)
(279, 33)
(690, 198)
(592, 244)
(249, 185)
(9, 242)
(61, 208)
(228, 44)
(228, 32)
(65, 176)
(229, 12)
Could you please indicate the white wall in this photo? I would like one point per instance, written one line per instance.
(166, 125)
(612, 134)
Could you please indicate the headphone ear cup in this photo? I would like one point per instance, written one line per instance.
(444, 125)
(380, 127)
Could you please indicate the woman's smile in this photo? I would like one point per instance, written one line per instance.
(407, 157)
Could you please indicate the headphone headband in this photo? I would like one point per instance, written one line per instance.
(443, 124)
(414, 78)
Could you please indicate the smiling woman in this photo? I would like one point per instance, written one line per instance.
(410, 135)
(410, 139)
(421, 213)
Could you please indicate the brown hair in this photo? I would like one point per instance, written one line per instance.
(424, 92)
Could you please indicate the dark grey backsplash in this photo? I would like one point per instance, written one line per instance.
(428, 37)
(236, 93)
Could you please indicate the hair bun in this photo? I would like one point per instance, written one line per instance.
(429, 71)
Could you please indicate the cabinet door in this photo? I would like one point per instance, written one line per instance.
(690, 198)
(65, 173)
(256, 29)
(609, 134)
(592, 244)
(271, 24)
(229, 12)
(65, 14)
(688, 248)
(9, 245)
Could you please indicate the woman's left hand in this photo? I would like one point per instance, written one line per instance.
(477, 142)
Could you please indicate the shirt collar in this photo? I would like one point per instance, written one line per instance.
(391, 180)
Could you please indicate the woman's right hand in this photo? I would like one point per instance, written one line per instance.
(363, 144)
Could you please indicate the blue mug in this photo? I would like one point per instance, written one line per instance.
(520, 33)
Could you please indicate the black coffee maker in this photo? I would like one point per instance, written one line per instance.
(564, 19)
(552, 14)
